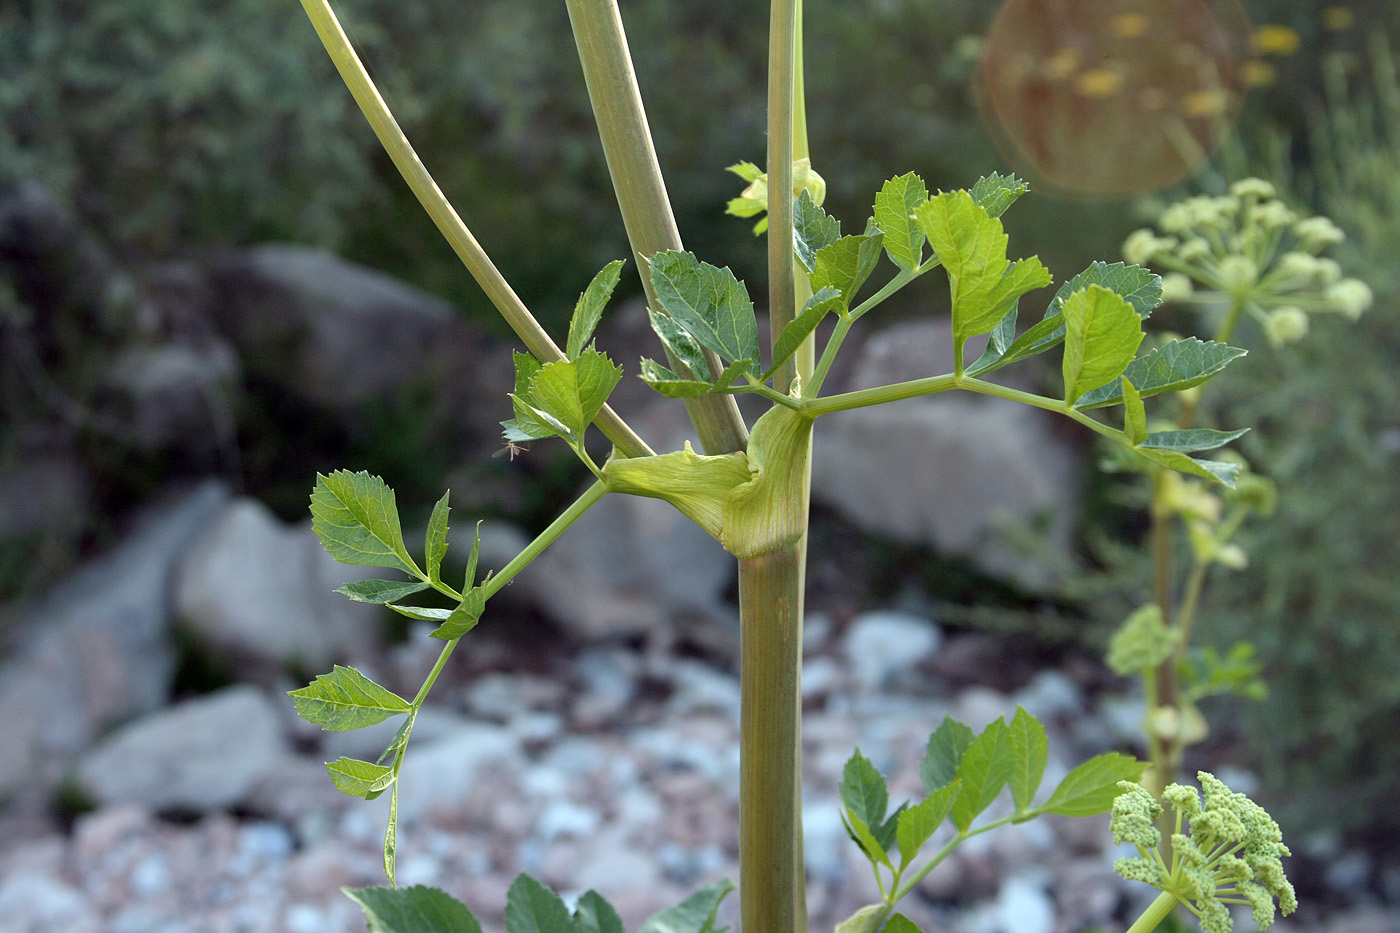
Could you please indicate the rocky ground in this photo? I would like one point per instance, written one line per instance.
(608, 767)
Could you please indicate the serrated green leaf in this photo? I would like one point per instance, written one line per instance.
(464, 618)
(357, 520)
(594, 914)
(996, 192)
(1213, 470)
(887, 833)
(919, 822)
(398, 743)
(745, 170)
(894, 210)
(946, 747)
(574, 391)
(985, 769)
(1135, 285)
(730, 375)
(813, 229)
(709, 303)
(1172, 367)
(866, 920)
(391, 835)
(901, 924)
(1031, 749)
(1134, 412)
(533, 908)
(1102, 335)
(379, 592)
(821, 304)
(469, 580)
(846, 264)
(863, 790)
(422, 613)
(669, 384)
(972, 247)
(682, 346)
(533, 422)
(864, 838)
(588, 311)
(418, 909)
(1090, 788)
(695, 914)
(345, 699)
(359, 778)
(435, 545)
(527, 424)
(1192, 440)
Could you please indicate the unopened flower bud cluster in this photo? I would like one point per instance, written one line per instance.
(1226, 850)
(1250, 250)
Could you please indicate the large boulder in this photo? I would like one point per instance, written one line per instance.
(258, 593)
(98, 649)
(966, 475)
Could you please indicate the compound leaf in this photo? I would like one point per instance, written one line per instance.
(1213, 470)
(1171, 367)
(996, 192)
(682, 346)
(1090, 788)
(918, 823)
(821, 304)
(846, 264)
(901, 924)
(435, 545)
(670, 384)
(345, 699)
(594, 914)
(379, 592)
(1031, 752)
(813, 229)
(464, 618)
(1102, 334)
(946, 747)
(894, 213)
(588, 311)
(695, 914)
(986, 767)
(359, 778)
(413, 910)
(533, 908)
(865, 838)
(1134, 414)
(863, 790)
(709, 303)
(357, 520)
(1191, 440)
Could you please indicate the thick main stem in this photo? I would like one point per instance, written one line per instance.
(641, 190)
(770, 612)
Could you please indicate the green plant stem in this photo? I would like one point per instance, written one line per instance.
(487, 276)
(912, 881)
(770, 613)
(492, 585)
(640, 187)
(1155, 913)
(782, 57)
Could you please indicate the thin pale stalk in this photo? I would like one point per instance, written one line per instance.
(640, 187)
(770, 614)
(487, 276)
(782, 51)
(1155, 913)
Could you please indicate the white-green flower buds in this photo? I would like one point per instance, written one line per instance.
(1252, 188)
(1350, 297)
(1239, 273)
(1142, 245)
(1176, 287)
(1143, 641)
(1286, 325)
(1317, 232)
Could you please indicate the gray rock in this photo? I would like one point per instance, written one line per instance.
(97, 650)
(35, 903)
(881, 645)
(176, 394)
(44, 491)
(202, 754)
(259, 592)
(966, 475)
(1023, 906)
(629, 566)
(340, 335)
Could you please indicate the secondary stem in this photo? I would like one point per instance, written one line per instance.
(641, 190)
(1155, 913)
(401, 153)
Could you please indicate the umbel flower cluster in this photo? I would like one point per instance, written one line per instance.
(1230, 853)
(1252, 254)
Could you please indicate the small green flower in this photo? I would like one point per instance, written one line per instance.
(1143, 641)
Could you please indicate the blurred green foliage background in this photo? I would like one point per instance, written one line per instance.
(175, 129)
